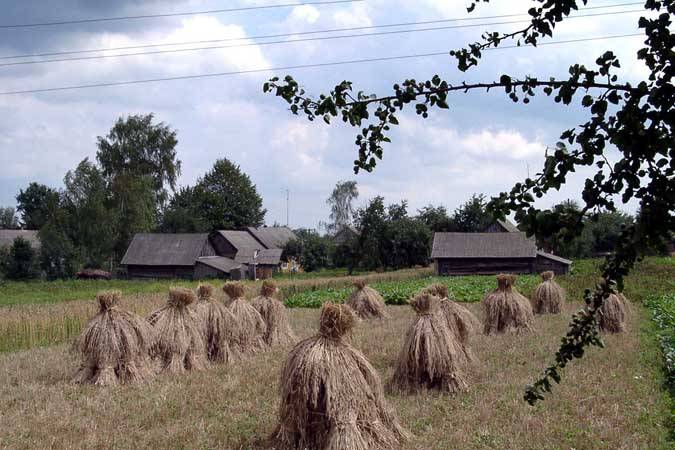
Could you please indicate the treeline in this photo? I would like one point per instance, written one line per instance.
(128, 189)
(380, 236)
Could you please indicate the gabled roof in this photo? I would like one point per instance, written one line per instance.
(508, 226)
(7, 237)
(218, 262)
(241, 240)
(271, 256)
(553, 257)
(165, 249)
(272, 237)
(483, 245)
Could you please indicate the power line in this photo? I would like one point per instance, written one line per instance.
(302, 33)
(294, 67)
(291, 41)
(190, 13)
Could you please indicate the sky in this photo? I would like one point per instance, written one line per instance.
(483, 144)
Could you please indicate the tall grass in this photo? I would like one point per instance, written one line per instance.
(36, 325)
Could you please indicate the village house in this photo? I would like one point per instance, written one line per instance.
(233, 254)
(502, 248)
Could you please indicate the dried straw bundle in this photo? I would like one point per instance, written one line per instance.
(431, 357)
(180, 343)
(114, 345)
(612, 315)
(277, 326)
(251, 323)
(506, 310)
(549, 296)
(331, 397)
(462, 322)
(366, 302)
(219, 326)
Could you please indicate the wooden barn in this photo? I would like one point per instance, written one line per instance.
(233, 254)
(491, 253)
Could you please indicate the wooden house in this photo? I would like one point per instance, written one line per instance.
(233, 254)
(491, 253)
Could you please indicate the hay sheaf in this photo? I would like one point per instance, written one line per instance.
(462, 322)
(331, 397)
(114, 345)
(549, 296)
(219, 326)
(612, 314)
(366, 302)
(277, 326)
(506, 310)
(431, 356)
(180, 343)
(251, 323)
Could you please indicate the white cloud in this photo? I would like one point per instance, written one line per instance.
(304, 13)
(357, 15)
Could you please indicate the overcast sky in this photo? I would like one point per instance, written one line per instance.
(484, 143)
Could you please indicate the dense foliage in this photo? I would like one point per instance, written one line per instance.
(34, 204)
(636, 119)
(224, 198)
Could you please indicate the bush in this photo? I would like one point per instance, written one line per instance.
(663, 312)
(22, 262)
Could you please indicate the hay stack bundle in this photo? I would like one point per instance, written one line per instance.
(366, 302)
(612, 314)
(114, 345)
(219, 326)
(506, 310)
(251, 323)
(462, 322)
(549, 296)
(277, 326)
(180, 343)
(331, 397)
(431, 357)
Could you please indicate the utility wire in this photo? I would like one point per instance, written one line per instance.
(292, 41)
(295, 67)
(301, 33)
(191, 13)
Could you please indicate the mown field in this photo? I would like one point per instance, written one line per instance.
(615, 397)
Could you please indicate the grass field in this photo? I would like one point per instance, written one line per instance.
(614, 398)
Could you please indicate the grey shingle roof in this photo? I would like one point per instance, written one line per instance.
(272, 237)
(164, 249)
(270, 256)
(508, 226)
(241, 240)
(219, 262)
(553, 257)
(483, 245)
(7, 237)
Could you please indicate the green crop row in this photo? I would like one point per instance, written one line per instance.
(663, 313)
(464, 289)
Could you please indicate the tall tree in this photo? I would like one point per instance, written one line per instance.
(34, 205)
(371, 221)
(225, 198)
(9, 219)
(472, 216)
(341, 202)
(136, 147)
(636, 118)
(182, 214)
(91, 220)
(436, 218)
